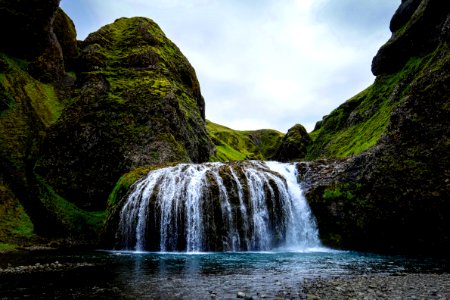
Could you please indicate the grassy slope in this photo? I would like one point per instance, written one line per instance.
(242, 145)
(28, 108)
(356, 125)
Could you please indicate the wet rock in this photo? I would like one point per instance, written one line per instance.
(410, 286)
(47, 267)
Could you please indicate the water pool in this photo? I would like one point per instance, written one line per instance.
(137, 275)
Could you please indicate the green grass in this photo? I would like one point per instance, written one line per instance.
(74, 219)
(15, 224)
(5, 247)
(243, 144)
(359, 123)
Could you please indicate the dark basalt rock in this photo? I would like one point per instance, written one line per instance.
(416, 28)
(26, 30)
(66, 34)
(393, 197)
(138, 104)
(403, 14)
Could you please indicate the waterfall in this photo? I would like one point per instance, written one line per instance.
(237, 206)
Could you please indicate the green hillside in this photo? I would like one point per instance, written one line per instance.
(243, 144)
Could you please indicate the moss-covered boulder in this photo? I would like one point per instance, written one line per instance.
(294, 145)
(391, 192)
(243, 144)
(138, 103)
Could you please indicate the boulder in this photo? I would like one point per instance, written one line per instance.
(294, 145)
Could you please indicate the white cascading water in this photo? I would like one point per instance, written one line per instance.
(255, 206)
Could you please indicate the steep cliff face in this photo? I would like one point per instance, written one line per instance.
(33, 86)
(137, 103)
(392, 197)
(359, 123)
(130, 99)
(27, 33)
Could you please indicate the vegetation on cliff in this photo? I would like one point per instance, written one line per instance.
(390, 194)
(294, 145)
(243, 144)
(132, 103)
(131, 99)
(137, 103)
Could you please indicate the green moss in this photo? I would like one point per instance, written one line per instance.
(44, 101)
(15, 225)
(359, 123)
(241, 145)
(337, 193)
(75, 220)
(5, 247)
(125, 181)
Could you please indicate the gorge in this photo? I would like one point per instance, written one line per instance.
(114, 185)
(82, 121)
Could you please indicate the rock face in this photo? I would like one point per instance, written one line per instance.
(294, 145)
(138, 103)
(66, 34)
(416, 29)
(26, 29)
(236, 206)
(393, 197)
(65, 138)
(30, 56)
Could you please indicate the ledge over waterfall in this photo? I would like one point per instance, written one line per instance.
(241, 206)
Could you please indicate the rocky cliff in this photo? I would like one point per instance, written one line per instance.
(137, 102)
(76, 115)
(391, 193)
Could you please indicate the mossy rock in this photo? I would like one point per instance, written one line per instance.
(393, 196)
(138, 103)
(294, 145)
(65, 32)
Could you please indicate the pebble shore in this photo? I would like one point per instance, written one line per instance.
(38, 267)
(400, 286)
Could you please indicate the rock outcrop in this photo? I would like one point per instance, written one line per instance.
(137, 103)
(294, 145)
(393, 196)
(27, 32)
(75, 116)
(30, 59)
(416, 30)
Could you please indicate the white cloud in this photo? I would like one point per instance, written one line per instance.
(265, 64)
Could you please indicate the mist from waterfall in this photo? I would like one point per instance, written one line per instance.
(245, 206)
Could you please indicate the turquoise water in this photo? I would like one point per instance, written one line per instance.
(131, 275)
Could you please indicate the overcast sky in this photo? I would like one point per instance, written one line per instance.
(263, 63)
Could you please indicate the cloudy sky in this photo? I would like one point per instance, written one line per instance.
(263, 63)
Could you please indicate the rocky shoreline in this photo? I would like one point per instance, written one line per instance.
(47, 267)
(397, 286)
